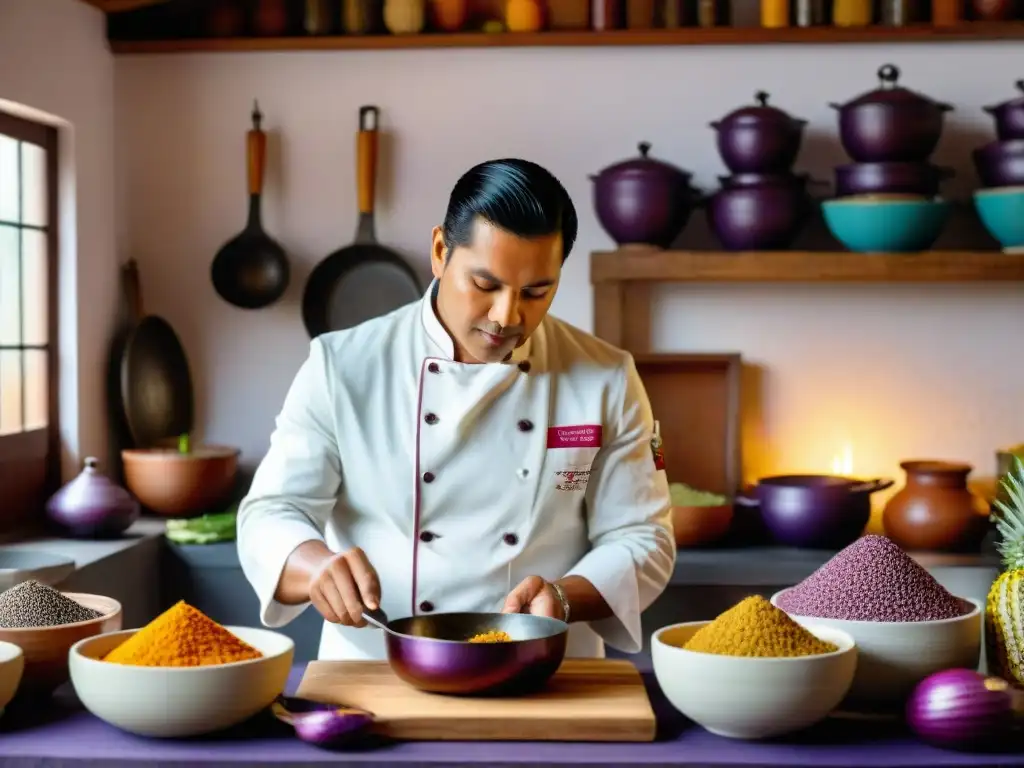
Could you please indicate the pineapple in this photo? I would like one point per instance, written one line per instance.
(1004, 611)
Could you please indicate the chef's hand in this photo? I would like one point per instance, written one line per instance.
(535, 596)
(342, 585)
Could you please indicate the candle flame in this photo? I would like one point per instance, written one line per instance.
(842, 464)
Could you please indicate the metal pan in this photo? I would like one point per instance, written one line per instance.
(363, 280)
(432, 653)
(156, 384)
(251, 270)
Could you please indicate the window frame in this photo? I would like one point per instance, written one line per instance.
(30, 460)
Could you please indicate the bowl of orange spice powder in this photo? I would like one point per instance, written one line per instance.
(181, 675)
(753, 672)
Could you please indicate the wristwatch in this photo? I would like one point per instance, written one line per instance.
(560, 593)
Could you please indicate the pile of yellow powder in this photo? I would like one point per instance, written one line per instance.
(182, 636)
(755, 627)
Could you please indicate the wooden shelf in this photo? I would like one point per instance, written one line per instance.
(1013, 30)
(641, 265)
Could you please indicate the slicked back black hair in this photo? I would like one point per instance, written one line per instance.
(518, 196)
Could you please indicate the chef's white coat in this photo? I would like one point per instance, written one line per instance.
(458, 479)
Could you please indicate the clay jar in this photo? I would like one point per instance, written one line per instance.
(935, 510)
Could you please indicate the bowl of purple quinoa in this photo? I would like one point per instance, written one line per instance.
(905, 623)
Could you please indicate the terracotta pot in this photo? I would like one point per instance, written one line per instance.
(46, 648)
(701, 526)
(935, 510)
(175, 484)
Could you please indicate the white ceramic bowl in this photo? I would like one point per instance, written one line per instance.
(12, 665)
(175, 702)
(894, 656)
(752, 698)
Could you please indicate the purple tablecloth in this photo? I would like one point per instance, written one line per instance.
(68, 736)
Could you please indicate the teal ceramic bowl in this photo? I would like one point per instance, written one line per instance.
(886, 226)
(1001, 210)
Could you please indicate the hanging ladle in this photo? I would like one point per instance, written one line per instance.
(251, 270)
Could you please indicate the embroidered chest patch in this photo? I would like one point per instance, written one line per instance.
(572, 479)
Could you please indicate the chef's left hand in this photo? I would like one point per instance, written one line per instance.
(535, 596)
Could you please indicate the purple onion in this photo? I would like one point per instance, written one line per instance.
(326, 725)
(92, 506)
(960, 708)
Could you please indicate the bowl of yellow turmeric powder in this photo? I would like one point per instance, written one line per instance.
(753, 672)
(181, 675)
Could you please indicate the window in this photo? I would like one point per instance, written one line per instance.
(29, 433)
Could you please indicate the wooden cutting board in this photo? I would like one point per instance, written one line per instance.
(586, 700)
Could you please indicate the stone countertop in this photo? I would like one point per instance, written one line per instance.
(742, 566)
(65, 735)
(86, 552)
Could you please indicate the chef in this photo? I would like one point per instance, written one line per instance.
(467, 452)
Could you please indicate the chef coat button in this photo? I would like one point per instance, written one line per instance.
(525, 425)
(511, 539)
(525, 366)
(427, 536)
(434, 368)
(431, 418)
(426, 606)
(428, 477)
(523, 472)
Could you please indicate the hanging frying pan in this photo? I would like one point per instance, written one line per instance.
(155, 381)
(363, 280)
(251, 270)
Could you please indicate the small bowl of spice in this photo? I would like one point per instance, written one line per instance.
(699, 518)
(45, 622)
(753, 672)
(181, 675)
(905, 623)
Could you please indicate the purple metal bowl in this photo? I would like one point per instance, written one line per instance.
(432, 652)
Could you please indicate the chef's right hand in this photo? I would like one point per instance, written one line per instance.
(342, 585)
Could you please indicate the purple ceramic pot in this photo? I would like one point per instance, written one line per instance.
(814, 511)
(758, 218)
(891, 123)
(759, 139)
(431, 653)
(798, 180)
(91, 506)
(644, 201)
(921, 179)
(1009, 116)
(1000, 163)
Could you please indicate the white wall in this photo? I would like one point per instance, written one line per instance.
(55, 65)
(892, 371)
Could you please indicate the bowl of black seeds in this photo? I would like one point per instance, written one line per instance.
(45, 622)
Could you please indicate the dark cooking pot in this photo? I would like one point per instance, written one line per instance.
(1000, 163)
(431, 652)
(1009, 116)
(814, 511)
(644, 201)
(890, 178)
(758, 218)
(759, 139)
(891, 123)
